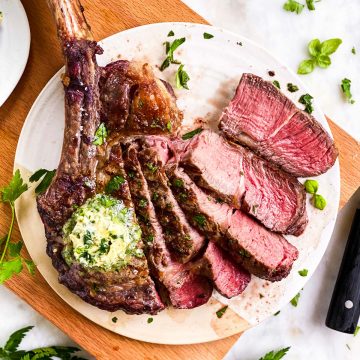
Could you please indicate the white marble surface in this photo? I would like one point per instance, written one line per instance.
(286, 35)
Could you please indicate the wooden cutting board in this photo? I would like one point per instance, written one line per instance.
(108, 17)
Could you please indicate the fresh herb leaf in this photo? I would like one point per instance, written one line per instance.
(292, 88)
(328, 47)
(10, 268)
(150, 320)
(346, 89)
(169, 50)
(143, 203)
(153, 168)
(294, 301)
(353, 50)
(166, 63)
(319, 202)
(114, 184)
(199, 219)
(171, 33)
(220, 313)
(275, 355)
(47, 175)
(30, 266)
(277, 84)
(14, 189)
(293, 6)
(169, 126)
(323, 61)
(114, 319)
(306, 67)
(311, 186)
(314, 47)
(192, 133)
(303, 272)
(100, 135)
(15, 339)
(15, 248)
(306, 100)
(182, 78)
(277, 313)
(357, 330)
(310, 4)
(207, 35)
(178, 183)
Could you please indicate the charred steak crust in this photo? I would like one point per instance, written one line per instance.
(262, 118)
(246, 181)
(184, 288)
(264, 254)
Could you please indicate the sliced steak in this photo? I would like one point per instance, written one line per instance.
(184, 288)
(263, 253)
(128, 287)
(228, 277)
(262, 118)
(247, 182)
(134, 101)
(179, 234)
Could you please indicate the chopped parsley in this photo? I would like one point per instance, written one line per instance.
(114, 184)
(275, 355)
(199, 219)
(178, 183)
(220, 313)
(114, 319)
(310, 4)
(277, 84)
(303, 272)
(357, 330)
(46, 175)
(153, 168)
(293, 6)
(353, 50)
(292, 88)
(171, 33)
(207, 36)
(192, 133)
(182, 78)
(346, 89)
(294, 301)
(150, 320)
(169, 50)
(100, 135)
(277, 313)
(306, 100)
(143, 203)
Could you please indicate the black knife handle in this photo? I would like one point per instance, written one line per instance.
(344, 310)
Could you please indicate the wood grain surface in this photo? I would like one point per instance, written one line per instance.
(106, 18)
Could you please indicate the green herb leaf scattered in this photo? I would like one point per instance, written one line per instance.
(277, 313)
(346, 89)
(14, 189)
(277, 84)
(192, 133)
(275, 355)
(328, 47)
(15, 339)
(292, 88)
(306, 67)
(182, 78)
(220, 313)
(294, 301)
(353, 50)
(47, 176)
(310, 4)
(150, 320)
(357, 330)
(114, 184)
(323, 61)
(303, 272)
(100, 135)
(114, 319)
(169, 50)
(319, 202)
(178, 183)
(314, 47)
(306, 100)
(171, 33)
(207, 35)
(199, 219)
(311, 186)
(293, 6)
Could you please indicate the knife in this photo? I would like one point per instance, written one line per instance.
(344, 309)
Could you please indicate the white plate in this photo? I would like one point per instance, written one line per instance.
(215, 67)
(14, 45)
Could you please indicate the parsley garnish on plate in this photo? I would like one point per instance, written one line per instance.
(10, 349)
(275, 355)
(171, 33)
(303, 272)
(220, 313)
(319, 55)
(306, 100)
(169, 50)
(46, 175)
(311, 187)
(182, 78)
(345, 87)
(100, 135)
(11, 262)
(207, 36)
(277, 84)
(192, 133)
(114, 319)
(294, 301)
(292, 88)
(150, 320)
(114, 184)
(310, 4)
(357, 330)
(353, 50)
(293, 6)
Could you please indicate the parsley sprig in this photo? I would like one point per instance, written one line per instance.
(11, 262)
(11, 351)
(275, 355)
(319, 55)
(46, 175)
(346, 89)
(169, 50)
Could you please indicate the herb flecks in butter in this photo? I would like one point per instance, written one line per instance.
(102, 234)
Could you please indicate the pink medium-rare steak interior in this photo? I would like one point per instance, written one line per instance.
(262, 118)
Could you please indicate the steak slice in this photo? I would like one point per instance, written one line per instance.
(128, 287)
(228, 277)
(261, 252)
(185, 240)
(262, 118)
(247, 182)
(184, 288)
(134, 101)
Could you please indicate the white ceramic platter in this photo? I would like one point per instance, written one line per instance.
(215, 67)
(14, 45)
